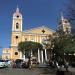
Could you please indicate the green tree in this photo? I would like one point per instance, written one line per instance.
(48, 45)
(69, 44)
(58, 41)
(70, 13)
(63, 43)
(27, 46)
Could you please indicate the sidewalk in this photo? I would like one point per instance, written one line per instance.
(42, 65)
(72, 69)
(53, 71)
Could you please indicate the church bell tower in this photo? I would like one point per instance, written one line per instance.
(16, 28)
(17, 21)
(64, 25)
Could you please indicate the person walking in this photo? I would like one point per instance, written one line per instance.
(66, 65)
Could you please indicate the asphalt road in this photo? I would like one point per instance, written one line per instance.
(34, 71)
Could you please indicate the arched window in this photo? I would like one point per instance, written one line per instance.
(65, 21)
(17, 25)
(17, 16)
(16, 37)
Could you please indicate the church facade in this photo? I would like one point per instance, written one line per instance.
(18, 35)
(38, 34)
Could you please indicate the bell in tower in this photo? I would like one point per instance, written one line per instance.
(17, 21)
(16, 28)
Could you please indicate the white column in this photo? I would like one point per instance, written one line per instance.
(20, 55)
(45, 54)
(13, 26)
(24, 56)
(31, 57)
(38, 56)
(42, 56)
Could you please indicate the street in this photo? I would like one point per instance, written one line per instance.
(33, 71)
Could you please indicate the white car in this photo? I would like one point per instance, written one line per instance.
(7, 63)
(2, 64)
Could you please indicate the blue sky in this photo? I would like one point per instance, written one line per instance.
(35, 13)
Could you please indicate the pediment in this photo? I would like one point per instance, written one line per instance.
(39, 30)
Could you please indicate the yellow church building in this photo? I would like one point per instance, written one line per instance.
(18, 35)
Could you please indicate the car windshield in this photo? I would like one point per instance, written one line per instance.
(18, 61)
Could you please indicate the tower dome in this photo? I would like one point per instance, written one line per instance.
(17, 14)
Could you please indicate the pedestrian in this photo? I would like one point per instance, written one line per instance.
(66, 65)
(57, 65)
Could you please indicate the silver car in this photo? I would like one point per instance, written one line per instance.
(2, 64)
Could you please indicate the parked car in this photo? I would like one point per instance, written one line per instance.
(2, 64)
(17, 63)
(8, 63)
(25, 65)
